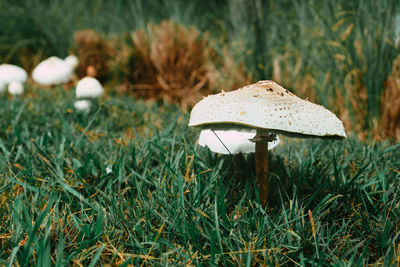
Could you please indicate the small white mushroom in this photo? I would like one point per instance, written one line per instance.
(11, 73)
(82, 105)
(72, 61)
(89, 87)
(231, 141)
(109, 169)
(52, 71)
(15, 88)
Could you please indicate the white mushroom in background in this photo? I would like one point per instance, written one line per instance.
(11, 73)
(52, 71)
(15, 88)
(2, 86)
(82, 105)
(231, 141)
(269, 109)
(72, 61)
(89, 87)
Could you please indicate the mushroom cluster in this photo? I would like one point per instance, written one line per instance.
(51, 71)
(269, 109)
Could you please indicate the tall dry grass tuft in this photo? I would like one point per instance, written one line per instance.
(169, 63)
(94, 52)
(390, 103)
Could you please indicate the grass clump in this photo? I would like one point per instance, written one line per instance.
(169, 63)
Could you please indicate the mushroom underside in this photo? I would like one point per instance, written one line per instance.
(225, 126)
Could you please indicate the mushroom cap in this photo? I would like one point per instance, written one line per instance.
(89, 87)
(82, 105)
(11, 73)
(72, 61)
(2, 86)
(231, 141)
(52, 71)
(15, 88)
(266, 105)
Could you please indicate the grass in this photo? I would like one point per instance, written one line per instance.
(127, 184)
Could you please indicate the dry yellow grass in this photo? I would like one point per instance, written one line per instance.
(390, 103)
(302, 85)
(356, 95)
(225, 71)
(169, 63)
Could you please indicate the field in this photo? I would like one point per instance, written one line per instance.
(126, 184)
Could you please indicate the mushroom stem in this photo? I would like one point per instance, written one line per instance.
(262, 177)
(262, 164)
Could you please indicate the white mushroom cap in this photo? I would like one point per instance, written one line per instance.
(82, 105)
(231, 141)
(52, 71)
(15, 88)
(266, 105)
(72, 61)
(11, 73)
(2, 86)
(89, 87)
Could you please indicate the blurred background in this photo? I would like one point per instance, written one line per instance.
(341, 54)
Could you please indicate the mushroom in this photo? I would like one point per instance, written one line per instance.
(82, 105)
(89, 87)
(52, 71)
(15, 88)
(270, 109)
(72, 61)
(231, 141)
(11, 73)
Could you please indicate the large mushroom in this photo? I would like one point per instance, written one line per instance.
(270, 109)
